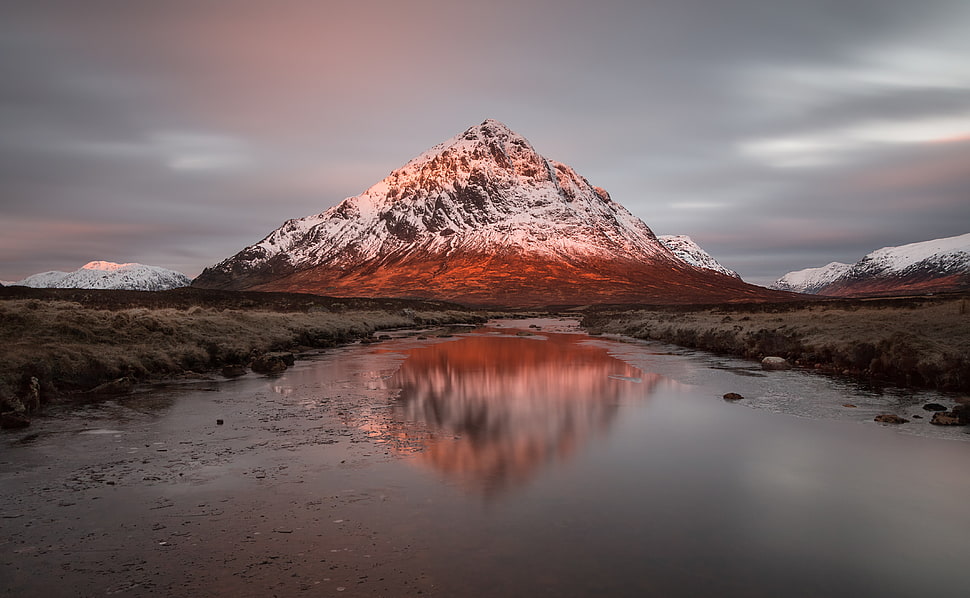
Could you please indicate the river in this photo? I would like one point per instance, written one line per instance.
(520, 459)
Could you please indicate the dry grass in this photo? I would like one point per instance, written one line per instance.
(912, 341)
(69, 346)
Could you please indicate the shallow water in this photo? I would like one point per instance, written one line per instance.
(491, 464)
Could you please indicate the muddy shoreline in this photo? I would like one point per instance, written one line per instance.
(152, 495)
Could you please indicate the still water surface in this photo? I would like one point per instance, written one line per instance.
(559, 468)
(558, 464)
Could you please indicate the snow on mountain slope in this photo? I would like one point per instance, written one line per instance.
(686, 249)
(810, 280)
(927, 266)
(950, 254)
(108, 275)
(481, 218)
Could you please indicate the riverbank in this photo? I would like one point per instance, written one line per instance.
(63, 341)
(912, 341)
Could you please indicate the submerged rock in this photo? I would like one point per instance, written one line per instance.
(119, 386)
(890, 418)
(233, 371)
(775, 363)
(14, 419)
(934, 407)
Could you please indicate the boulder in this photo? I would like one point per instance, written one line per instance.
(287, 357)
(889, 418)
(946, 419)
(775, 363)
(272, 363)
(732, 396)
(934, 407)
(12, 405)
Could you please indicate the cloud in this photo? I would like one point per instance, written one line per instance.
(758, 127)
(838, 145)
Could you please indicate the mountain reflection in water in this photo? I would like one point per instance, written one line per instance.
(501, 407)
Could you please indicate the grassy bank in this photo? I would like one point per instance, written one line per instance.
(918, 341)
(72, 340)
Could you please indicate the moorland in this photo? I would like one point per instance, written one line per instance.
(57, 343)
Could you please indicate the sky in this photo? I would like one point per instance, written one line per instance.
(780, 135)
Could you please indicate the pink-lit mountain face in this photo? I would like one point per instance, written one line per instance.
(480, 219)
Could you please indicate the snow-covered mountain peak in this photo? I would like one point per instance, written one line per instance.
(686, 249)
(946, 252)
(811, 280)
(109, 275)
(481, 218)
(485, 190)
(927, 266)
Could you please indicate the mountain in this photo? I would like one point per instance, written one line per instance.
(108, 275)
(810, 280)
(686, 249)
(480, 219)
(929, 266)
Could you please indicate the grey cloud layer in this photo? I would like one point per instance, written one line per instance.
(780, 135)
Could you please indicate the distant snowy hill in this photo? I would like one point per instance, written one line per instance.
(686, 249)
(810, 280)
(108, 275)
(928, 266)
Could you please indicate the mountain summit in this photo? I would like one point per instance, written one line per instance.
(481, 219)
